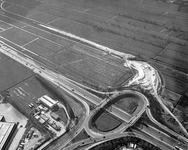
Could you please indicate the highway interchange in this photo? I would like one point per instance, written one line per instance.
(146, 77)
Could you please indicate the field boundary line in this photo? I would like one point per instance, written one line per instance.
(21, 28)
(86, 9)
(82, 12)
(72, 42)
(8, 28)
(25, 49)
(3, 29)
(43, 37)
(112, 18)
(77, 48)
(12, 19)
(32, 14)
(42, 1)
(9, 5)
(20, 16)
(31, 76)
(24, 26)
(141, 1)
(167, 34)
(36, 34)
(162, 50)
(30, 41)
(73, 62)
(53, 20)
(163, 30)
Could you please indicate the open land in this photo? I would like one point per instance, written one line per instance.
(149, 29)
(105, 122)
(154, 30)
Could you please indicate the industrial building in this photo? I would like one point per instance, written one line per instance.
(6, 131)
(48, 102)
(2, 118)
(55, 116)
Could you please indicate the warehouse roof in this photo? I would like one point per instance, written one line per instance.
(48, 101)
(1, 118)
(6, 129)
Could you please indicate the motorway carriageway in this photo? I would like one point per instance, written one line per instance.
(115, 53)
(96, 141)
(61, 82)
(161, 136)
(56, 78)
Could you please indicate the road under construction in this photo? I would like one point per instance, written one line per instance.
(146, 76)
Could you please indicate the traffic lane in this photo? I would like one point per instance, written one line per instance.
(27, 19)
(159, 143)
(27, 62)
(168, 137)
(162, 137)
(85, 94)
(178, 136)
(76, 89)
(23, 21)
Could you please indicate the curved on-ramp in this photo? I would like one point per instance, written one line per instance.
(147, 77)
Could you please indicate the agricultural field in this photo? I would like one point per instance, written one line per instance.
(129, 103)
(151, 29)
(28, 92)
(75, 61)
(12, 73)
(105, 122)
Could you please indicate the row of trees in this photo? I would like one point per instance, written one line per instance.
(131, 36)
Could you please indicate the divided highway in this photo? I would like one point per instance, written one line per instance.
(147, 78)
(66, 85)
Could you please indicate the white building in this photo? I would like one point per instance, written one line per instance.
(48, 102)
